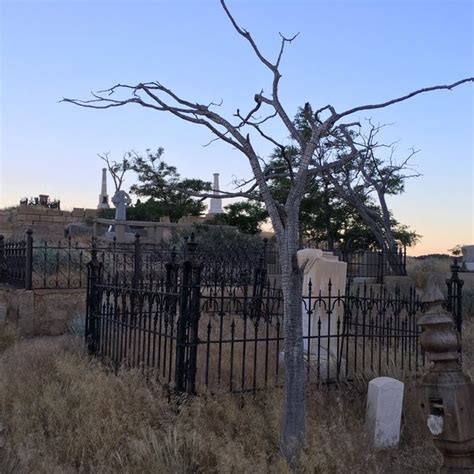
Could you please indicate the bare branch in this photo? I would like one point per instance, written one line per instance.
(405, 97)
(275, 101)
(116, 170)
(284, 40)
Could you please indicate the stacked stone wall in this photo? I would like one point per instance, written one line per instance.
(45, 223)
(42, 312)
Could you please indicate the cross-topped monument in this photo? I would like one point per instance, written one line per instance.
(121, 201)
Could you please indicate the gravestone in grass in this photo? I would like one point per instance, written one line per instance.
(384, 411)
(323, 317)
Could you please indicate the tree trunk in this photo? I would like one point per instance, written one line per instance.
(294, 403)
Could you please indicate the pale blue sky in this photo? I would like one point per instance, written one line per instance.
(348, 53)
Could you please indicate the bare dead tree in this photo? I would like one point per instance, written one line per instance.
(239, 132)
(372, 175)
(116, 169)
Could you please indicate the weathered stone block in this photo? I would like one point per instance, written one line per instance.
(384, 411)
(90, 212)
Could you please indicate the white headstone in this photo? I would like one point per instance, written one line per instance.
(321, 268)
(384, 411)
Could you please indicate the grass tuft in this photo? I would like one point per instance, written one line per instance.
(61, 412)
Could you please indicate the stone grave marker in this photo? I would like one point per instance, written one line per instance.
(384, 411)
(320, 268)
(121, 201)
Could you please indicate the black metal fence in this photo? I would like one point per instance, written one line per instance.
(218, 334)
(454, 298)
(15, 261)
(63, 264)
(374, 263)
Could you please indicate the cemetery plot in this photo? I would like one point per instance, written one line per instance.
(213, 337)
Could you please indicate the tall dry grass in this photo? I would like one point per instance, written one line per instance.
(63, 413)
(421, 269)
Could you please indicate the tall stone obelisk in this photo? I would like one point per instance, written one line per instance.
(216, 202)
(103, 196)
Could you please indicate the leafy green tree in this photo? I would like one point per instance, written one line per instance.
(339, 209)
(247, 216)
(168, 193)
(212, 237)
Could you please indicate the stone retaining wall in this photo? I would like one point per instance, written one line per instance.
(46, 223)
(42, 312)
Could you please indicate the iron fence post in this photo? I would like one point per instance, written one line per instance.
(404, 260)
(259, 281)
(187, 331)
(454, 299)
(93, 301)
(171, 273)
(194, 317)
(2, 256)
(171, 284)
(136, 261)
(382, 257)
(181, 325)
(29, 260)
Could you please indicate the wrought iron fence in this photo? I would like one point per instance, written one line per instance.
(15, 261)
(227, 335)
(374, 263)
(63, 264)
(59, 265)
(454, 298)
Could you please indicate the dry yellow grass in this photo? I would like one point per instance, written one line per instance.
(420, 270)
(8, 335)
(61, 412)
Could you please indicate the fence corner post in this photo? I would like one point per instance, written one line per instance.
(137, 261)
(194, 309)
(29, 260)
(188, 322)
(454, 298)
(2, 248)
(92, 299)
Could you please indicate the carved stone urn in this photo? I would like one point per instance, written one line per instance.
(448, 392)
